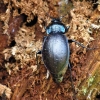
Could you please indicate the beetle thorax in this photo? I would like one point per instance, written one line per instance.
(56, 28)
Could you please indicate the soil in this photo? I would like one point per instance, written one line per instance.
(22, 28)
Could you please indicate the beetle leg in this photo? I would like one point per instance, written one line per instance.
(44, 38)
(67, 28)
(39, 52)
(74, 96)
(71, 40)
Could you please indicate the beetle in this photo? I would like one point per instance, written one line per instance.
(55, 51)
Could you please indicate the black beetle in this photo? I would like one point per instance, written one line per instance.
(55, 50)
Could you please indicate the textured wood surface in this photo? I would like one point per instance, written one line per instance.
(89, 88)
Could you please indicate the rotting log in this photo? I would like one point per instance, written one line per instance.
(89, 88)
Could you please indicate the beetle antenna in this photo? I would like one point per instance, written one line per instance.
(74, 93)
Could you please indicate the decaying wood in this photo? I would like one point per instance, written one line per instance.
(18, 66)
(89, 88)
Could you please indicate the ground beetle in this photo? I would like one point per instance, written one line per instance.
(55, 51)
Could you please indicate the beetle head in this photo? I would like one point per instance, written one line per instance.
(56, 26)
(55, 20)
